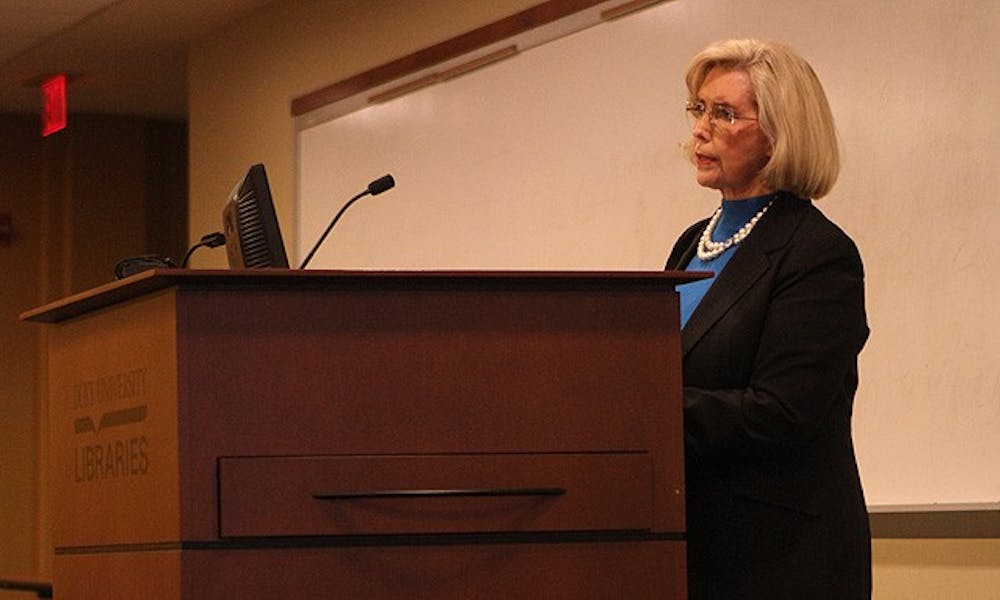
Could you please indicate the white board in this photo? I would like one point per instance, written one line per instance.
(566, 157)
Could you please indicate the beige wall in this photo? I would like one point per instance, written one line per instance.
(936, 569)
(242, 82)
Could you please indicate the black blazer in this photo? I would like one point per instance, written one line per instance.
(775, 507)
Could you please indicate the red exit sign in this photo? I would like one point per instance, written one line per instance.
(53, 104)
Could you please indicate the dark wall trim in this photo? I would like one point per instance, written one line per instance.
(536, 16)
(936, 521)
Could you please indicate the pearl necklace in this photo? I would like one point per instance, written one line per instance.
(709, 250)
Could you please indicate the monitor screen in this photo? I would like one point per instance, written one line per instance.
(253, 238)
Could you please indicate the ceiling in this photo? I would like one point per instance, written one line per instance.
(124, 57)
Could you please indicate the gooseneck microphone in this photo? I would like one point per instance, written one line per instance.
(383, 183)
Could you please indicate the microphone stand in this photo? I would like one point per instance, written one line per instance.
(374, 188)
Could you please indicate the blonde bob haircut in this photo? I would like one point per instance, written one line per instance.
(792, 111)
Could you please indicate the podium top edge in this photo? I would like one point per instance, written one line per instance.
(153, 280)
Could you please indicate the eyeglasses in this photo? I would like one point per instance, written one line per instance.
(718, 114)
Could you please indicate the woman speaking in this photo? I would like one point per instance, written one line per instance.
(770, 343)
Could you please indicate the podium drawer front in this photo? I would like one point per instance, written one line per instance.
(385, 495)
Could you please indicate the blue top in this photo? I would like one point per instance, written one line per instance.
(735, 214)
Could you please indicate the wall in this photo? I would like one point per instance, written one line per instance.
(936, 569)
(20, 152)
(242, 82)
(104, 189)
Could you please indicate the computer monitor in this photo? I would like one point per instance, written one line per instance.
(253, 238)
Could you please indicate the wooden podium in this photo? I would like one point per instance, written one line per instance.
(321, 434)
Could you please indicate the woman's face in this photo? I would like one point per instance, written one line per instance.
(729, 156)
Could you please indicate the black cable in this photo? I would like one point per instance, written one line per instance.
(212, 240)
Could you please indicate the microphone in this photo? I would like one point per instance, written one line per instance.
(382, 184)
